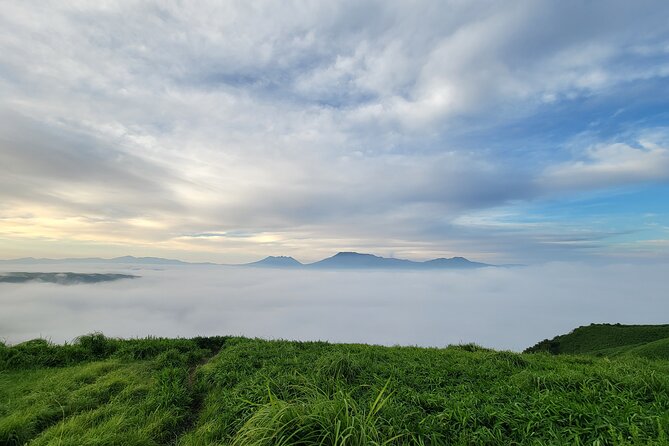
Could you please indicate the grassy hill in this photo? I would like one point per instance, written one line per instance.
(652, 350)
(236, 391)
(610, 340)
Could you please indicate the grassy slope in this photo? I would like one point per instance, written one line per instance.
(253, 392)
(99, 391)
(652, 350)
(608, 340)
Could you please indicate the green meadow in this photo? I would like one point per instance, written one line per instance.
(238, 391)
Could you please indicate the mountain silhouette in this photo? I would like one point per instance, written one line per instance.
(341, 260)
(453, 262)
(276, 262)
(126, 260)
(355, 260)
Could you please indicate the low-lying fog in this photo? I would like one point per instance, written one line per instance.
(494, 307)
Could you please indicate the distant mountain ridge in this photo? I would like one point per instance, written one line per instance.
(95, 260)
(356, 260)
(342, 260)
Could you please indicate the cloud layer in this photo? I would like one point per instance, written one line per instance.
(253, 128)
(500, 308)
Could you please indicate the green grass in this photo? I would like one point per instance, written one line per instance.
(607, 340)
(652, 350)
(236, 391)
(99, 391)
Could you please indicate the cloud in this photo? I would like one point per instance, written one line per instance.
(50, 164)
(500, 308)
(607, 165)
(134, 124)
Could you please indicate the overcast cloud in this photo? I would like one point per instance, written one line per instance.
(227, 131)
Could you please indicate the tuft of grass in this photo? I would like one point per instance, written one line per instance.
(338, 366)
(39, 353)
(97, 345)
(470, 347)
(317, 418)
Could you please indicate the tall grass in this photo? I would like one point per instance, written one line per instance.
(317, 418)
(101, 391)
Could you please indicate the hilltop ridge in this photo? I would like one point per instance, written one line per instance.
(609, 340)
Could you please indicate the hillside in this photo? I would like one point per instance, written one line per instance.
(62, 278)
(609, 339)
(652, 350)
(236, 391)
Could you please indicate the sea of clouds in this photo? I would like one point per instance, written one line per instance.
(503, 308)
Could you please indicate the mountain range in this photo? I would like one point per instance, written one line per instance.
(130, 260)
(341, 260)
(356, 260)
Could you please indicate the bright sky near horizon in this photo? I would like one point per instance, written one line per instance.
(515, 131)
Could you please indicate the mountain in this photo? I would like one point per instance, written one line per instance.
(360, 261)
(126, 260)
(453, 262)
(341, 260)
(144, 261)
(276, 262)
(355, 260)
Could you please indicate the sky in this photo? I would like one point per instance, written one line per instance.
(505, 132)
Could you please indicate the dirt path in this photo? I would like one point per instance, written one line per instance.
(198, 396)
